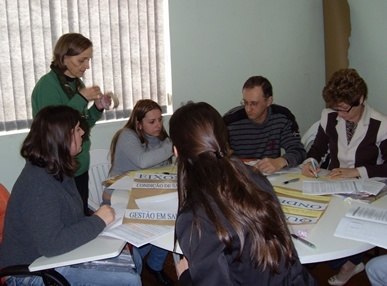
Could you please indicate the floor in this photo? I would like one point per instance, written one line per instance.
(321, 271)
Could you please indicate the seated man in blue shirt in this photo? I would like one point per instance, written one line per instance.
(259, 129)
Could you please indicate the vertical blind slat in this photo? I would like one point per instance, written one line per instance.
(128, 49)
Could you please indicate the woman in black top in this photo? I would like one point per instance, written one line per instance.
(230, 226)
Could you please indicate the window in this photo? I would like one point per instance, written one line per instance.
(130, 40)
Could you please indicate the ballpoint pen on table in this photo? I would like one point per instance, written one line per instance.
(308, 243)
(314, 166)
(291, 181)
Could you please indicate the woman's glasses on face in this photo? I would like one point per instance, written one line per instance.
(344, 110)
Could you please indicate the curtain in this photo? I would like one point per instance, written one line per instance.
(128, 51)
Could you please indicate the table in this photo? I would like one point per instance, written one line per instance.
(321, 234)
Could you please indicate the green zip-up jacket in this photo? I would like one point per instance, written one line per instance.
(48, 91)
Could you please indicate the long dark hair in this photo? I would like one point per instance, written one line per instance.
(207, 174)
(142, 107)
(48, 143)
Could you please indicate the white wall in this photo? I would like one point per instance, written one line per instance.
(215, 47)
(217, 44)
(368, 48)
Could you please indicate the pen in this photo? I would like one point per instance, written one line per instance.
(291, 181)
(308, 243)
(314, 166)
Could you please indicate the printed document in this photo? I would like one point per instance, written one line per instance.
(324, 187)
(364, 223)
(135, 233)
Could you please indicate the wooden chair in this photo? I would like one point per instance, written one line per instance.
(98, 172)
(49, 276)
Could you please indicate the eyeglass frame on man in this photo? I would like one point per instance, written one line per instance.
(249, 103)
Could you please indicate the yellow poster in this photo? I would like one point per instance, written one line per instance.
(300, 208)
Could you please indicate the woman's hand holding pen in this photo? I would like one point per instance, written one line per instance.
(310, 170)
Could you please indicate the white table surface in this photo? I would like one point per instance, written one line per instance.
(98, 248)
(321, 234)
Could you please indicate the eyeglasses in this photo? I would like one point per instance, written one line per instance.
(344, 110)
(249, 103)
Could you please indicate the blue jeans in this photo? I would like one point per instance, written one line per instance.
(156, 256)
(376, 270)
(85, 274)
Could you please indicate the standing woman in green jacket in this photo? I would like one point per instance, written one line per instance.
(62, 85)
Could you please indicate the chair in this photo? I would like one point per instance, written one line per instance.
(98, 172)
(49, 276)
(308, 138)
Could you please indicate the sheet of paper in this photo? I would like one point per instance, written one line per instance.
(123, 183)
(325, 187)
(361, 230)
(165, 202)
(150, 217)
(368, 213)
(371, 186)
(136, 233)
(329, 187)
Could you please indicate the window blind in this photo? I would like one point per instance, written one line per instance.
(128, 51)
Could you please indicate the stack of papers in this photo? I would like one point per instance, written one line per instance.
(324, 187)
(151, 210)
(366, 224)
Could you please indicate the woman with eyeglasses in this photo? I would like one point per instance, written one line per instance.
(355, 135)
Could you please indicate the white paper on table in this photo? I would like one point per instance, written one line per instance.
(371, 186)
(166, 202)
(329, 187)
(136, 233)
(368, 213)
(147, 215)
(342, 187)
(361, 230)
(123, 183)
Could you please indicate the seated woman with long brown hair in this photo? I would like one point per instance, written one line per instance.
(230, 226)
